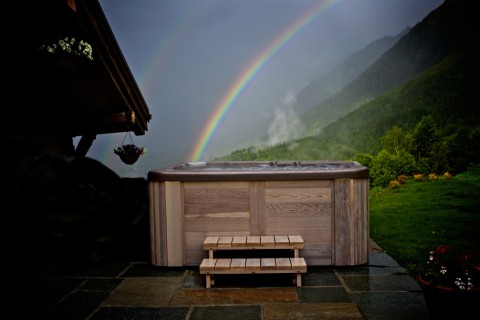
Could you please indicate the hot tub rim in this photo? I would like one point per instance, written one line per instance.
(175, 172)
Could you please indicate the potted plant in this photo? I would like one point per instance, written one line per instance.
(449, 270)
(129, 153)
(450, 281)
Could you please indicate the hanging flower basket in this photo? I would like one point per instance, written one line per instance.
(129, 158)
(129, 153)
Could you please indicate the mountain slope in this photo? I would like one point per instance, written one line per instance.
(447, 91)
(335, 80)
(441, 33)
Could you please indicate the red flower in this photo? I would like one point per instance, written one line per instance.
(447, 268)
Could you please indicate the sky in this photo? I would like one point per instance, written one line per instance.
(219, 74)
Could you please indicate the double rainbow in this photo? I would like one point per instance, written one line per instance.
(249, 73)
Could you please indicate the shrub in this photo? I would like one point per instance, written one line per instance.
(386, 167)
(447, 175)
(418, 177)
(402, 178)
(394, 184)
(433, 177)
(364, 159)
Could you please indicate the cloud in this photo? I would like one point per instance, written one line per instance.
(286, 125)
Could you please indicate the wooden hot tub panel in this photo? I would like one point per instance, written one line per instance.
(330, 212)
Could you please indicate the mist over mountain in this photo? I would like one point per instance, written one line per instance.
(287, 123)
(431, 71)
(345, 72)
(441, 33)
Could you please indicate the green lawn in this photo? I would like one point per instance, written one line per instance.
(410, 221)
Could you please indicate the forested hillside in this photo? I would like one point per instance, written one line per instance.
(348, 70)
(443, 98)
(443, 32)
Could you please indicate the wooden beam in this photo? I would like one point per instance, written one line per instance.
(127, 117)
(116, 122)
(84, 145)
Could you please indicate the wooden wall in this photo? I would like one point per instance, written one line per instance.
(330, 215)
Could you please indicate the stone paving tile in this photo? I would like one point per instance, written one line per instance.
(392, 305)
(100, 284)
(323, 295)
(227, 313)
(143, 292)
(149, 270)
(139, 290)
(381, 259)
(139, 313)
(110, 269)
(193, 279)
(320, 276)
(381, 283)
(212, 296)
(370, 270)
(77, 306)
(46, 292)
(306, 311)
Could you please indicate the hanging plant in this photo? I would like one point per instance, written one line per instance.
(129, 153)
(68, 55)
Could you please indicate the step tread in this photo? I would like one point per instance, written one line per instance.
(252, 265)
(253, 242)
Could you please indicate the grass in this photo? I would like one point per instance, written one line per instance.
(410, 221)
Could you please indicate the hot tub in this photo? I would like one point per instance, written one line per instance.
(326, 202)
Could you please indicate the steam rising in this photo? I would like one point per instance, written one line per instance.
(286, 125)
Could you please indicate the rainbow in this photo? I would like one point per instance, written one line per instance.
(157, 61)
(167, 46)
(249, 73)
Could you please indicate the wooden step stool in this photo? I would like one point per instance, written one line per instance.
(295, 265)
